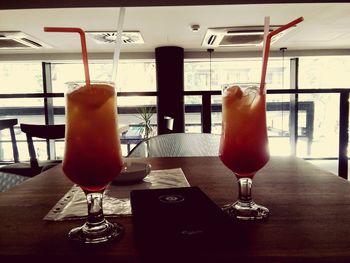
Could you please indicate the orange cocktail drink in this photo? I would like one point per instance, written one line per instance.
(244, 143)
(92, 157)
(92, 153)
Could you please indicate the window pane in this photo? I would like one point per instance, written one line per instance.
(7, 104)
(23, 110)
(20, 78)
(63, 73)
(324, 72)
(323, 139)
(59, 105)
(59, 149)
(132, 76)
(136, 76)
(277, 122)
(197, 73)
(216, 115)
(193, 108)
(135, 101)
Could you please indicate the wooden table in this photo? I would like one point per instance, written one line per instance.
(309, 221)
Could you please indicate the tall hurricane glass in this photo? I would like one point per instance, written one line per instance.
(244, 145)
(92, 156)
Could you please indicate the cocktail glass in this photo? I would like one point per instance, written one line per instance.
(244, 145)
(92, 156)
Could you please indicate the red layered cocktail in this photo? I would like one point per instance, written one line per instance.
(244, 144)
(92, 154)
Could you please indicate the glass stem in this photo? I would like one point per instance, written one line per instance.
(95, 211)
(147, 149)
(245, 190)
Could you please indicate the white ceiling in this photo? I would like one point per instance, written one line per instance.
(326, 26)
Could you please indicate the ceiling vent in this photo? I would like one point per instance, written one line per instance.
(19, 40)
(128, 37)
(238, 36)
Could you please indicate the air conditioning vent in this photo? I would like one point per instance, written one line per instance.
(240, 40)
(109, 37)
(211, 40)
(238, 36)
(32, 42)
(19, 40)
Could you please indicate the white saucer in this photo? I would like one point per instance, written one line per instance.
(132, 172)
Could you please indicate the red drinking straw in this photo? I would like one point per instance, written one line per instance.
(267, 50)
(83, 45)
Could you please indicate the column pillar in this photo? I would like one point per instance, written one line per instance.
(170, 87)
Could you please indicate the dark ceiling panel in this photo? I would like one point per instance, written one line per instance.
(25, 4)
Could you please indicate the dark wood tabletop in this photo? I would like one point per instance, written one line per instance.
(309, 220)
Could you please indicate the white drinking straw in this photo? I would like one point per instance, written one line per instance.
(266, 32)
(118, 44)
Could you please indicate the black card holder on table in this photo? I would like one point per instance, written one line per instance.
(178, 220)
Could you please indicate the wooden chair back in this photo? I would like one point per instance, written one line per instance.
(10, 124)
(47, 132)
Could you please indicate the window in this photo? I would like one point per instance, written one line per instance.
(20, 78)
(318, 114)
(131, 76)
(197, 73)
(324, 72)
(327, 72)
(193, 119)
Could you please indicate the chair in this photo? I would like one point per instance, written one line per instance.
(17, 168)
(10, 124)
(177, 144)
(34, 167)
(8, 180)
(48, 132)
(12, 174)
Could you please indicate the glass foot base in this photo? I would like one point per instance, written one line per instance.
(246, 211)
(96, 234)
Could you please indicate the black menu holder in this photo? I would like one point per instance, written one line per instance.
(176, 223)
